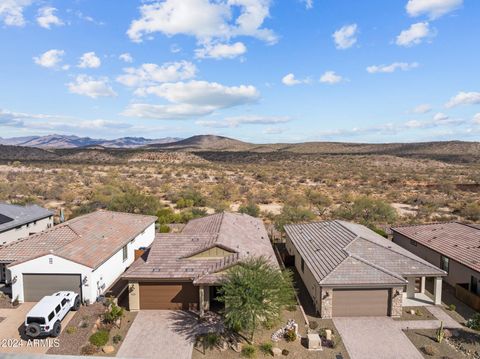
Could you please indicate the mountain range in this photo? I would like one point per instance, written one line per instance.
(65, 141)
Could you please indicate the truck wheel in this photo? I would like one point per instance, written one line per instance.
(57, 328)
(76, 303)
(32, 330)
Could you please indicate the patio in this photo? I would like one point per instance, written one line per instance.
(418, 300)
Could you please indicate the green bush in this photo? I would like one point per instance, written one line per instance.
(100, 338)
(452, 307)
(290, 335)
(117, 339)
(164, 228)
(71, 330)
(285, 352)
(474, 322)
(250, 208)
(249, 351)
(266, 348)
(115, 312)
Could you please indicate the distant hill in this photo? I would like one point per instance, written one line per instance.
(205, 143)
(65, 141)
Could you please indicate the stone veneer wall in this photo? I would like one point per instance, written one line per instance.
(396, 302)
(326, 300)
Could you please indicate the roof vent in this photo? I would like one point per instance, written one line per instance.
(156, 270)
(195, 239)
(188, 269)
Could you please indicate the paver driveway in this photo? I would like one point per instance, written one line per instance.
(160, 334)
(375, 337)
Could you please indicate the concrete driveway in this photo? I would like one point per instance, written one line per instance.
(12, 329)
(161, 334)
(375, 337)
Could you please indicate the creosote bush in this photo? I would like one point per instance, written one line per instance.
(249, 351)
(100, 338)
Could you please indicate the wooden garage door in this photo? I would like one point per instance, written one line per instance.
(36, 286)
(168, 296)
(360, 302)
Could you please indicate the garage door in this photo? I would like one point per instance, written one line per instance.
(360, 302)
(36, 286)
(168, 296)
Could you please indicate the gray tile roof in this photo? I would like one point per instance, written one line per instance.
(12, 216)
(89, 240)
(169, 257)
(458, 241)
(344, 253)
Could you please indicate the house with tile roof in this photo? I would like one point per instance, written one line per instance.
(86, 255)
(452, 246)
(349, 270)
(20, 221)
(184, 270)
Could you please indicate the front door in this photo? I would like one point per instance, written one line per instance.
(474, 285)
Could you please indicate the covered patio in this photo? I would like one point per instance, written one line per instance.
(415, 295)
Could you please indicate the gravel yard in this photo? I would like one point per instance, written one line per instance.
(420, 313)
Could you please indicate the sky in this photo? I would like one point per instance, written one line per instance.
(257, 70)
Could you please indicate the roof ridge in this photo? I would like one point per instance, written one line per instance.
(427, 224)
(334, 269)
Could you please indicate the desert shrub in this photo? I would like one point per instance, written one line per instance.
(100, 338)
(249, 351)
(115, 312)
(474, 322)
(471, 211)
(290, 335)
(71, 330)
(89, 349)
(117, 339)
(184, 203)
(285, 352)
(333, 343)
(313, 325)
(266, 348)
(367, 211)
(250, 208)
(429, 350)
(452, 307)
(291, 307)
(292, 214)
(163, 228)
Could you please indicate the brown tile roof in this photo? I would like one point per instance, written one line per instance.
(344, 253)
(460, 242)
(170, 255)
(89, 240)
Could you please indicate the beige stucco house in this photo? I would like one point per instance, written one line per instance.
(350, 270)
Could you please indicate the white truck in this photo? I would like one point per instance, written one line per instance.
(45, 318)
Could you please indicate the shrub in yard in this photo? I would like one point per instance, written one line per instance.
(164, 228)
(117, 339)
(333, 343)
(211, 340)
(89, 349)
(115, 312)
(313, 325)
(285, 352)
(249, 351)
(266, 348)
(71, 330)
(474, 322)
(291, 307)
(99, 338)
(418, 313)
(429, 350)
(452, 307)
(290, 335)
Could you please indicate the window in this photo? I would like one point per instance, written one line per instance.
(302, 265)
(444, 263)
(50, 260)
(64, 301)
(50, 316)
(57, 309)
(413, 243)
(125, 253)
(474, 288)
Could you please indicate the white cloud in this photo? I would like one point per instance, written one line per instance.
(403, 66)
(330, 77)
(290, 80)
(11, 11)
(464, 98)
(415, 34)
(126, 57)
(432, 8)
(194, 98)
(476, 118)
(46, 17)
(440, 117)
(422, 108)
(219, 51)
(204, 19)
(92, 87)
(273, 131)
(345, 37)
(151, 74)
(308, 4)
(89, 60)
(235, 121)
(50, 59)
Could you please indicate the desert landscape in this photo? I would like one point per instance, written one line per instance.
(376, 184)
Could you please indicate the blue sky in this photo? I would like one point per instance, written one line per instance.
(257, 70)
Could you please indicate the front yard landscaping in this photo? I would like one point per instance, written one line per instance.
(457, 344)
(94, 331)
(416, 313)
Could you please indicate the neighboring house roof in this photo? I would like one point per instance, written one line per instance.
(460, 242)
(340, 253)
(88, 240)
(12, 216)
(170, 256)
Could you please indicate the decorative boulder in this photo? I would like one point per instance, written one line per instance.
(108, 349)
(276, 352)
(328, 334)
(314, 341)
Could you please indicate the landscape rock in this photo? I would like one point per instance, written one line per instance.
(108, 349)
(314, 341)
(276, 352)
(237, 347)
(328, 334)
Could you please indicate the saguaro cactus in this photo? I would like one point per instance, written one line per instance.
(440, 333)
